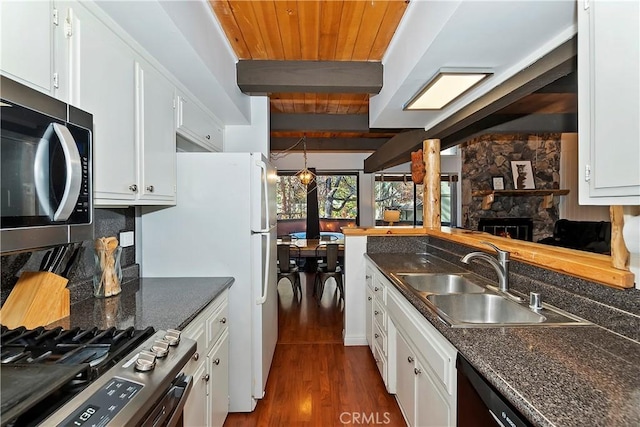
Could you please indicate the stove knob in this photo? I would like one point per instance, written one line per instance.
(172, 337)
(146, 361)
(160, 348)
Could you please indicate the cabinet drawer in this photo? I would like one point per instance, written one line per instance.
(381, 362)
(380, 315)
(380, 339)
(379, 290)
(217, 323)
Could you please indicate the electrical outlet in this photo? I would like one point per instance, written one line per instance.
(126, 239)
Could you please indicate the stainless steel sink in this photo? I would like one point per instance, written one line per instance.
(434, 283)
(482, 309)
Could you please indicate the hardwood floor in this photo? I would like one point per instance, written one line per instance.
(314, 379)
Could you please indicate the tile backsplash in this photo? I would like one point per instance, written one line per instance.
(107, 222)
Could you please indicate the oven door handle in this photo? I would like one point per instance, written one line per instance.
(172, 403)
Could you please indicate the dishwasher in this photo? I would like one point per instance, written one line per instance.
(480, 404)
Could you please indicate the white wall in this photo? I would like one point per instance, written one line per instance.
(351, 162)
(253, 137)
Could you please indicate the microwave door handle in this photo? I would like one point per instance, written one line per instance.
(41, 171)
(73, 165)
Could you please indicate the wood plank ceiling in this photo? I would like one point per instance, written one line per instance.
(331, 30)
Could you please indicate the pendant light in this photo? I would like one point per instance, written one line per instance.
(305, 175)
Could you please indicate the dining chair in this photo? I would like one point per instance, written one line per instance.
(330, 269)
(288, 269)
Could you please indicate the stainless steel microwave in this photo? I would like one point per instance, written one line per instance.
(46, 176)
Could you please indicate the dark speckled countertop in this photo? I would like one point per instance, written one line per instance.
(163, 303)
(555, 376)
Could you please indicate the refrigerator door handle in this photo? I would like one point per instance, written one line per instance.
(265, 231)
(265, 191)
(265, 280)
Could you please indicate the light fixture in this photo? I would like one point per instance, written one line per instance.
(305, 175)
(391, 216)
(444, 87)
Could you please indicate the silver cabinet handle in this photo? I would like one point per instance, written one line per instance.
(208, 137)
(376, 289)
(133, 188)
(376, 312)
(196, 356)
(417, 371)
(410, 359)
(217, 361)
(206, 377)
(150, 188)
(367, 276)
(223, 320)
(376, 336)
(368, 298)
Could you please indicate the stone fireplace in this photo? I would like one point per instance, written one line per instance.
(490, 155)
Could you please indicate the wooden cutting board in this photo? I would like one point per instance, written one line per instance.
(37, 299)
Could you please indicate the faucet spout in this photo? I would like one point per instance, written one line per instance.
(500, 264)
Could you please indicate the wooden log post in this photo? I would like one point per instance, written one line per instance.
(620, 256)
(431, 187)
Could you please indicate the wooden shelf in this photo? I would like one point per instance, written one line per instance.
(488, 196)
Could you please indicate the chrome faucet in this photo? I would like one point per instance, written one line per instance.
(501, 265)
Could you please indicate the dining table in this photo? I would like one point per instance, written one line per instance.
(310, 248)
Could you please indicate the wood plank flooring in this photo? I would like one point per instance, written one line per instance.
(314, 379)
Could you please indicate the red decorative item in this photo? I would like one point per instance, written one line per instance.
(418, 169)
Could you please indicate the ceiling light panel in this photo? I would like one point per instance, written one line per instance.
(445, 87)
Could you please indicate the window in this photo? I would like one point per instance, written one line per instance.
(337, 202)
(399, 192)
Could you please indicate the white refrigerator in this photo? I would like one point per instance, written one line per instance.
(224, 224)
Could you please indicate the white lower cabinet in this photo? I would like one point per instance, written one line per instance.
(208, 402)
(416, 362)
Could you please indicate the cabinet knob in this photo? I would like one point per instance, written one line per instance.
(376, 312)
(376, 289)
(217, 361)
(367, 276)
(196, 356)
(417, 371)
(133, 188)
(410, 359)
(376, 336)
(208, 137)
(223, 320)
(150, 188)
(368, 298)
(205, 377)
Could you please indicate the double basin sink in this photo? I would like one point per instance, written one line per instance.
(461, 302)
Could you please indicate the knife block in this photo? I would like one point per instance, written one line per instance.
(37, 299)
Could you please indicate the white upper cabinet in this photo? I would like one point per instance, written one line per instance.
(103, 83)
(156, 135)
(27, 32)
(609, 102)
(197, 126)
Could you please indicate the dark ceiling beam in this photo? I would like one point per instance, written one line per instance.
(329, 144)
(558, 63)
(389, 150)
(264, 77)
(533, 123)
(320, 122)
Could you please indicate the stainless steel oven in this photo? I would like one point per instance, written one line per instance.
(93, 377)
(45, 182)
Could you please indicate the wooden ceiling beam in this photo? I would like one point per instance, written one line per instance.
(329, 144)
(320, 122)
(389, 150)
(264, 77)
(558, 63)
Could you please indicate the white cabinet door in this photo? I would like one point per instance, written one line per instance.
(102, 69)
(218, 361)
(197, 126)
(609, 102)
(432, 407)
(155, 135)
(369, 318)
(405, 379)
(195, 408)
(27, 42)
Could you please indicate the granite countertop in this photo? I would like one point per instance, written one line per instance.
(555, 376)
(163, 303)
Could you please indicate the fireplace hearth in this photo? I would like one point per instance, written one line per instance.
(514, 228)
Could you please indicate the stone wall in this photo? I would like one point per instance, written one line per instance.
(491, 155)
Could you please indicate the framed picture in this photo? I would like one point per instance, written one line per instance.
(497, 182)
(522, 175)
